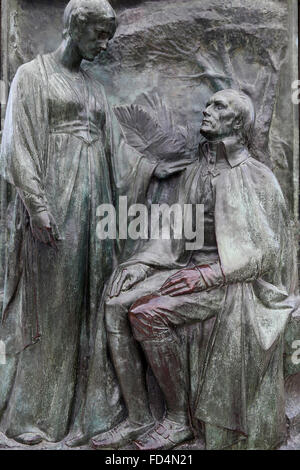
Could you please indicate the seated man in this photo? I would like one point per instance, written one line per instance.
(245, 275)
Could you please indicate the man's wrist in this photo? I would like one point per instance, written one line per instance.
(212, 275)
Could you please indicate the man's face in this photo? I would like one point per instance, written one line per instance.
(93, 38)
(220, 116)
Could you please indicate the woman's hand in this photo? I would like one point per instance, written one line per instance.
(125, 278)
(43, 228)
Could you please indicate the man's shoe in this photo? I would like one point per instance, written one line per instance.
(76, 440)
(165, 435)
(120, 435)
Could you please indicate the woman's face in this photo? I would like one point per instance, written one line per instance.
(93, 37)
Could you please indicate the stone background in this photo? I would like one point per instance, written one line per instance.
(162, 47)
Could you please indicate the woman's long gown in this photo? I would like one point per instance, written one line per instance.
(63, 151)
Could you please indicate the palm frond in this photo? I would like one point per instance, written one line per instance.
(144, 132)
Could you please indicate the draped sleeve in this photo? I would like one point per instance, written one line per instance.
(23, 156)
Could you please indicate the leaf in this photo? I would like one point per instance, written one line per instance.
(140, 128)
(144, 133)
(162, 113)
(176, 135)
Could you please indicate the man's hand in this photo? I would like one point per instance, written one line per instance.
(165, 169)
(42, 227)
(125, 278)
(185, 281)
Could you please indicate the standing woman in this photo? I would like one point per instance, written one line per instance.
(63, 152)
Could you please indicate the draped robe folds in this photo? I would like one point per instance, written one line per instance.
(241, 390)
(63, 150)
(237, 385)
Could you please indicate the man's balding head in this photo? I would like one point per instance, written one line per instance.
(228, 112)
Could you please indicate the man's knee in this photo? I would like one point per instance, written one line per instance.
(145, 319)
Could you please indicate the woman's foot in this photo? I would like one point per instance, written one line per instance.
(120, 435)
(29, 438)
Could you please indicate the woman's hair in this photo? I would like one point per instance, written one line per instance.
(78, 12)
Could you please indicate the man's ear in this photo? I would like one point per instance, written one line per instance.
(238, 123)
(73, 28)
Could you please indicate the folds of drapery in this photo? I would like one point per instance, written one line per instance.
(257, 253)
(24, 162)
(6, 197)
(23, 159)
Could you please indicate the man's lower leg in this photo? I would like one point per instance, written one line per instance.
(164, 357)
(131, 375)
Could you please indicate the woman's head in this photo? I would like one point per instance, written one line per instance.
(90, 24)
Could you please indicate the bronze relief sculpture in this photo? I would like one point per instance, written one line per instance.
(85, 317)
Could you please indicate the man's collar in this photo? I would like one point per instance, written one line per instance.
(234, 152)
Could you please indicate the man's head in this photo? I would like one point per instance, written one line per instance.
(90, 24)
(228, 113)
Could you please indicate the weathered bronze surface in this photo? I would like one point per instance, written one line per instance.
(145, 344)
